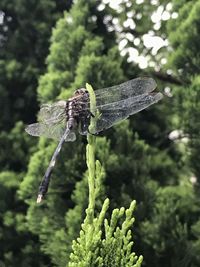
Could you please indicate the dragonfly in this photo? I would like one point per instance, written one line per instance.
(63, 119)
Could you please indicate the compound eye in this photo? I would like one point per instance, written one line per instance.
(81, 91)
(77, 92)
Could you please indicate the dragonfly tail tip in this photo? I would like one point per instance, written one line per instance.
(39, 198)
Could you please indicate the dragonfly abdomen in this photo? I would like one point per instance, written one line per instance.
(70, 112)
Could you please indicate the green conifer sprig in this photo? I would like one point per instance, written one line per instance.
(102, 243)
(117, 246)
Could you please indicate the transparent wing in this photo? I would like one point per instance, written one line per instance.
(54, 131)
(50, 113)
(114, 112)
(52, 122)
(125, 90)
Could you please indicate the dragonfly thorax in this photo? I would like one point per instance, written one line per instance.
(77, 109)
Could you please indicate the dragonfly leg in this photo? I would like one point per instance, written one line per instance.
(92, 115)
(95, 134)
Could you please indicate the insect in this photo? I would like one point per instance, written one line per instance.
(61, 120)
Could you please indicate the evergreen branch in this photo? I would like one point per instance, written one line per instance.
(90, 156)
(98, 246)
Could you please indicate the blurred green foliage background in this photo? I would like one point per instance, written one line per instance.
(50, 48)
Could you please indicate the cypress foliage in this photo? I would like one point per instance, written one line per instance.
(76, 55)
(173, 228)
(138, 160)
(185, 60)
(24, 39)
(80, 52)
(91, 248)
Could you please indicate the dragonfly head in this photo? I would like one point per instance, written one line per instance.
(81, 91)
